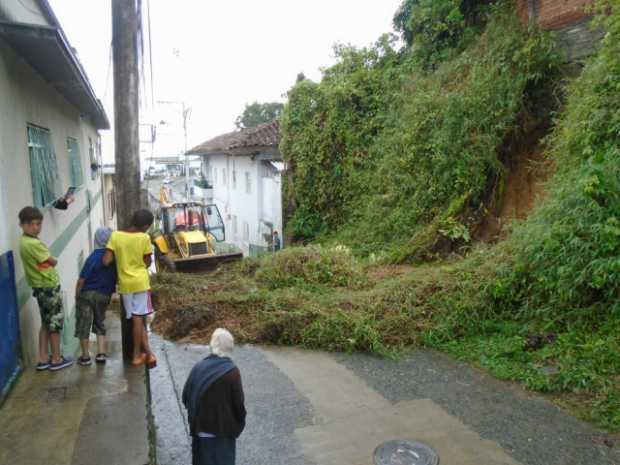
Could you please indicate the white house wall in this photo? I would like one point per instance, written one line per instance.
(272, 202)
(27, 99)
(22, 11)
(247, 207)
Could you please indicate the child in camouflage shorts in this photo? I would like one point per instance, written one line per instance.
(93, 291)
(41, 275)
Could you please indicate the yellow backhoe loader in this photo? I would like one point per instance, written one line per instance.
(187, 237)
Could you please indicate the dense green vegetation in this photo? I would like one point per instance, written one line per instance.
(560, 270)
(395, 151)
(391, 156)
(256, 113)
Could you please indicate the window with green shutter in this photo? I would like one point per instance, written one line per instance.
(75, 163)
(43, 167)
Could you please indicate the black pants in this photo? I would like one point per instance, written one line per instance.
(213, 451)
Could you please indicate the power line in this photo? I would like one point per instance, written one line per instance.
(107, 73)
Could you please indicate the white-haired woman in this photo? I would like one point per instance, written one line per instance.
(213, 397)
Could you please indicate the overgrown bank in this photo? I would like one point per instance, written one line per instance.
(396, 157)
(407, 171)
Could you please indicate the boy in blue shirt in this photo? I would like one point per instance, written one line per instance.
(93, 292)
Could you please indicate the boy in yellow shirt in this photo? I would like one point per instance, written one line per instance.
(131, 249)
(42, 277)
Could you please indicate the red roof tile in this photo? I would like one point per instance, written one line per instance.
(263, 135)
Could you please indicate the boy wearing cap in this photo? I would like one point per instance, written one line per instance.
(93, 292)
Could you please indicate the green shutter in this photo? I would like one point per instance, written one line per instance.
(43, 167)
(75, 163)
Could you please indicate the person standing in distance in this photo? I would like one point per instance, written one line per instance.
(276, 241)
(213, 397)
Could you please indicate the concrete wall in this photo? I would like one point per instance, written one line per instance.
(568, 19)
(250, 209)
(272, 199)
(553, 14)
(67, 232)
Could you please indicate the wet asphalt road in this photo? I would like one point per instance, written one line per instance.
(529, 429)
(275, 408)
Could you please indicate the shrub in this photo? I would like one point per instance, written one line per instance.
(312, 265)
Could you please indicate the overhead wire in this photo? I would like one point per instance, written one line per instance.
(151, 85)
(107, 73)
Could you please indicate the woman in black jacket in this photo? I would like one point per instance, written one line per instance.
(213, 397)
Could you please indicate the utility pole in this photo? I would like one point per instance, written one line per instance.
(185, 114)
(125, 22)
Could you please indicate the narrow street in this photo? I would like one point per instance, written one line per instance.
(80, 415)
(315, 408)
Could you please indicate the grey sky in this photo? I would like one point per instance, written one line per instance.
(218, 55)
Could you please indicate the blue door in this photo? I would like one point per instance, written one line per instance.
(9, 324)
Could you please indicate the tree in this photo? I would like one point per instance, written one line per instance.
(257, 113)
(434, 28)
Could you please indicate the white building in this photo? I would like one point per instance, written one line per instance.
(244, 169)
(49, 122)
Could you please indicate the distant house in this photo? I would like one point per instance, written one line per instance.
(244, 169)
(49, 141)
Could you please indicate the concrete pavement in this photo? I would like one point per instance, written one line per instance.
(304, 408)
(94, 415)
(351, 419)
(315, 408)
(275, 407)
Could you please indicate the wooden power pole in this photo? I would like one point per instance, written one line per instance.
(125, 21)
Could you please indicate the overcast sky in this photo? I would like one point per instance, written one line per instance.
(216, 56)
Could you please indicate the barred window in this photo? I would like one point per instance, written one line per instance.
(75, 163)
(43, 166)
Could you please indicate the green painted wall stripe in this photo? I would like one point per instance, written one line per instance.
(58, 246)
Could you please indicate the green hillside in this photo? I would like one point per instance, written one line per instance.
(402, 163)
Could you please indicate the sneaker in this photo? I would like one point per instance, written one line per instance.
(64, 363)
(42, 366)
(101, 358)
(151, 361)
(84, 361)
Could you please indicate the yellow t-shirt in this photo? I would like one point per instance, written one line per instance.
(129, 249)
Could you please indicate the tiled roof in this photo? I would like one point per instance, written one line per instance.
(261, 136)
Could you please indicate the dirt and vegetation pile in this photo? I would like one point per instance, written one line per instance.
(398, 158)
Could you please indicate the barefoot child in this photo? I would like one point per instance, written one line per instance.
(42, 276)
(131, 250)
(93, 291)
